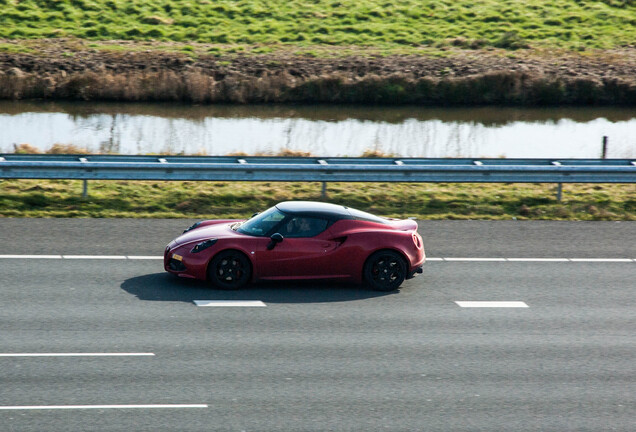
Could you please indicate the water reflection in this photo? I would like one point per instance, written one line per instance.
(320, 130)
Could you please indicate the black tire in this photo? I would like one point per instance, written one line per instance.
(385, 270)
(229, 270)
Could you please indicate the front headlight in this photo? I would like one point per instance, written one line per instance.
(203, 245)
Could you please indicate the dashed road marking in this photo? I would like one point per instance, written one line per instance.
(30, 256)
(77, 354)
(106, 257)
(83, 407)
(476, 259)
(538, 259)
(491, 304)
(229, 303)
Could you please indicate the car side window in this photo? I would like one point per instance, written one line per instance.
(303, 227)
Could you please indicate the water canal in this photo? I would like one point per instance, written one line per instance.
(320, 130)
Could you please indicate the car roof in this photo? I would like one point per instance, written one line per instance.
(313, 208)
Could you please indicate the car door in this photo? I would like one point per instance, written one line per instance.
(301, 254)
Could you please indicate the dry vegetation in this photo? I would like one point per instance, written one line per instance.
(459, 77)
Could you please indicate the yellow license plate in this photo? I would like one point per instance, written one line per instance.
(177, 257)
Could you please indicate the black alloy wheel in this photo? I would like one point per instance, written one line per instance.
(229, 270)
(385, 271)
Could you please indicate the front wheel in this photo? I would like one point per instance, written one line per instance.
(385, 271)
(229, 270)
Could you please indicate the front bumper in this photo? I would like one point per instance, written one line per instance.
(176, 266)
(173, 262)
(179, 261)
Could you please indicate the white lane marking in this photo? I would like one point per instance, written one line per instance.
(76, 354)
(229, 303)
(538, 259)
(498, 259)
(144, 257)
(476, 259)
(71, 407)
(30, 256)
(491, 304)
(108, 257)
(601, 260)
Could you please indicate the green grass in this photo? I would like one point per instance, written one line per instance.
(63, 198)
(509, 24)
(15, 49)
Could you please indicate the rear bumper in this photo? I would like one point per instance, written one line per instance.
(417, 262)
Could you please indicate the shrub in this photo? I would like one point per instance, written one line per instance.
(66, 149)
(25, 148)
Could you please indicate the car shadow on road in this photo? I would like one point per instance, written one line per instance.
(166, 287)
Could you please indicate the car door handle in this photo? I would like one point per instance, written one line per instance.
(338, 241)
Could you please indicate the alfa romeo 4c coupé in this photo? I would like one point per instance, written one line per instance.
(299, 240)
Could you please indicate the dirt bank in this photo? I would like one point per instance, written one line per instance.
(126, 71)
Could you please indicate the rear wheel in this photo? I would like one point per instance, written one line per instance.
(385, 270)
(229, 270)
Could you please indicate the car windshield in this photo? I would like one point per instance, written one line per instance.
(262, 223)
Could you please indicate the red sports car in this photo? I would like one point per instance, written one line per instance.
(299, 240)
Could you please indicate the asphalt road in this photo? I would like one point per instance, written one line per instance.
(320, 356)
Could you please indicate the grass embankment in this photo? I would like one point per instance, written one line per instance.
(447, 52)
(63, 198)
(569, 24)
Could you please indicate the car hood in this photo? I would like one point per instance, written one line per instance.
(219, 230)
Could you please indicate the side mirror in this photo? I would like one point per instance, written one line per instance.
(274, 240)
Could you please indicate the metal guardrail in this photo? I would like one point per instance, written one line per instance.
(231, 168)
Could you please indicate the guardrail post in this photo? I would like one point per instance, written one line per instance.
(84, 160)
(604, 154)
(323, 193)
(559, 191)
